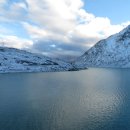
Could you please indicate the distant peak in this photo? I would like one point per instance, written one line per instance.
(124, 34)
(126, 29)
(128, 26)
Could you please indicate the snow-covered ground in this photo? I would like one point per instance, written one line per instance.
(14, 60)
(111, 52)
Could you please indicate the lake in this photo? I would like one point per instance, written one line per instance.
(93, 99)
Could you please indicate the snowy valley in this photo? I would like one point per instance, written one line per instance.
(111, 52)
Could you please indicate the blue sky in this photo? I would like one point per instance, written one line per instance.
(116, 10)
(60, 27)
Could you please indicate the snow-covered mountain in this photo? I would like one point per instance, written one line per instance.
(14, 60)
(111, 52)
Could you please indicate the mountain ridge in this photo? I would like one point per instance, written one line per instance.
(15, 60)
(113, 51)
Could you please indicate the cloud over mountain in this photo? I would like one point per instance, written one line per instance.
(56, 25)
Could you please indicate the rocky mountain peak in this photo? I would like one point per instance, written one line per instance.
(124, 34)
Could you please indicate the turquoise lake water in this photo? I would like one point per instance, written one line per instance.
(93, 99)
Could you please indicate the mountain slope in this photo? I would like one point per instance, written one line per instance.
(14, 60)
(111, 52)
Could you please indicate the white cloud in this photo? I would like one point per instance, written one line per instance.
(15, 42)
(18, 6)
(17, 11)
(2, 1)
(34, 31)
(64, 20)
(59, 21)
(58, 15)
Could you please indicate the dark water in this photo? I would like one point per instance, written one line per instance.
(95, 99)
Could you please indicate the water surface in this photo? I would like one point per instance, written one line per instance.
(94, 99)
